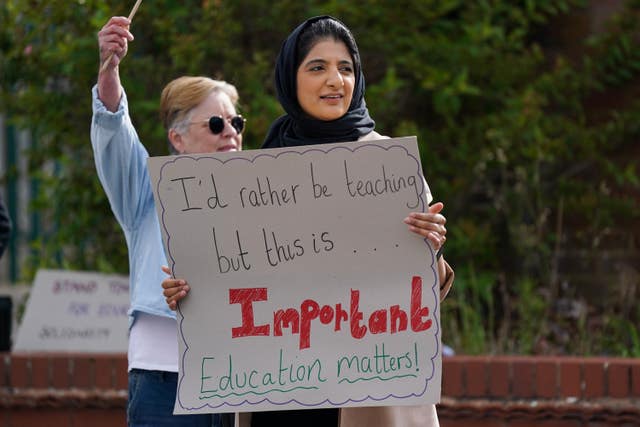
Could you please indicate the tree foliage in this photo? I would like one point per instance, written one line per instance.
(513, 136)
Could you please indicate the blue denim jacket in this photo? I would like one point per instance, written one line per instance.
(121, 162)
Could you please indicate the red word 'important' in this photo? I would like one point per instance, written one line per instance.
(391, 320)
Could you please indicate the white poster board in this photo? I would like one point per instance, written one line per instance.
(307, 289)
(71, 311)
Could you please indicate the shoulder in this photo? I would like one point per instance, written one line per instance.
(371, 136)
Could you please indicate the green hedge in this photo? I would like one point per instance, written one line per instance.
(503, 95)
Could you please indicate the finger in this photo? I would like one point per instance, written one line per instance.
(115, 36)
(118, 20)
(173, 283)
(436, 240)
(108, 50)
(436, 207)
(112, 43)
(429, 216)
(171, 302)
(116, 31)
(427, 222)
(175, 290)
(427, 225)
(177, 296)
(166, 269)
(170, 292)
(419, 231)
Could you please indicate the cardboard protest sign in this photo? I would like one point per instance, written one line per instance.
(307, 289)
(75, 312)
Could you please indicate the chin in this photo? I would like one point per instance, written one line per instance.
(327, 117)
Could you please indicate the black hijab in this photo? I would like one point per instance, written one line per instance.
(298, 128)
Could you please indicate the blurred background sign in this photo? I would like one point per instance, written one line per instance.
(76, 312)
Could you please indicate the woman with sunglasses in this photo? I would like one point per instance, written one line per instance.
(199, 115)
(320, 84)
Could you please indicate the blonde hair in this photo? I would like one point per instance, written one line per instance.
(185, 93)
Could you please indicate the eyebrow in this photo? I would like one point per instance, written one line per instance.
(323, 61)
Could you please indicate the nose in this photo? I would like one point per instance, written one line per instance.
(335, 79)
(229, 131)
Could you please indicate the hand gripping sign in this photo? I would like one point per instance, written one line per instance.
(307, 289)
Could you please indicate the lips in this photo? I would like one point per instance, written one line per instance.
(228, 147)
(332, 96)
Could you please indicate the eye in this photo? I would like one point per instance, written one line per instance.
(316, 68)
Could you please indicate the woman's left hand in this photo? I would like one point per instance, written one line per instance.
(430, 224)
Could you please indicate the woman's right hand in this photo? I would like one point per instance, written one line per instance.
(174, 289)
(113, 38)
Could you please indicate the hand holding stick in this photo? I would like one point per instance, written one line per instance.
(133, 12)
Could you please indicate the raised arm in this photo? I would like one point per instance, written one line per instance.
(113, 38)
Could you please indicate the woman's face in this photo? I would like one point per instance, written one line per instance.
(199, 138)
(325, 80)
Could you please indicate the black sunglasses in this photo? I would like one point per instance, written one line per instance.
(216, 124)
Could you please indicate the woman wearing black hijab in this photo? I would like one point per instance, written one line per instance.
(321, 87)
(320, 84)
(299, 127)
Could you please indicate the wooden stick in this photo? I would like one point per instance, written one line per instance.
(131, 15)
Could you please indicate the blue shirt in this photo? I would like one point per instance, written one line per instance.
(121, 162)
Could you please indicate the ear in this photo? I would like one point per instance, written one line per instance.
(176, 140)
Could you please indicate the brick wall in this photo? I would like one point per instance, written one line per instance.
(59, 390)
(540, 391)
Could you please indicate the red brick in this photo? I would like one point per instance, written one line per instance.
(570, 377)
(635, 379)
(121, 374)
(546, 378)
(39, 371)
(104, 372)
(544, 423)
(20, 370)
(594, 372)
(82, 375)
(630, 421)
(99, 417)
(618, 376)
(455, 423)
(466, 422)
(499, 377)
(60, 372)
(523, 370)
(476, 377)
(469, 422)
(452, 369)
(30, 417)
(599, 424)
